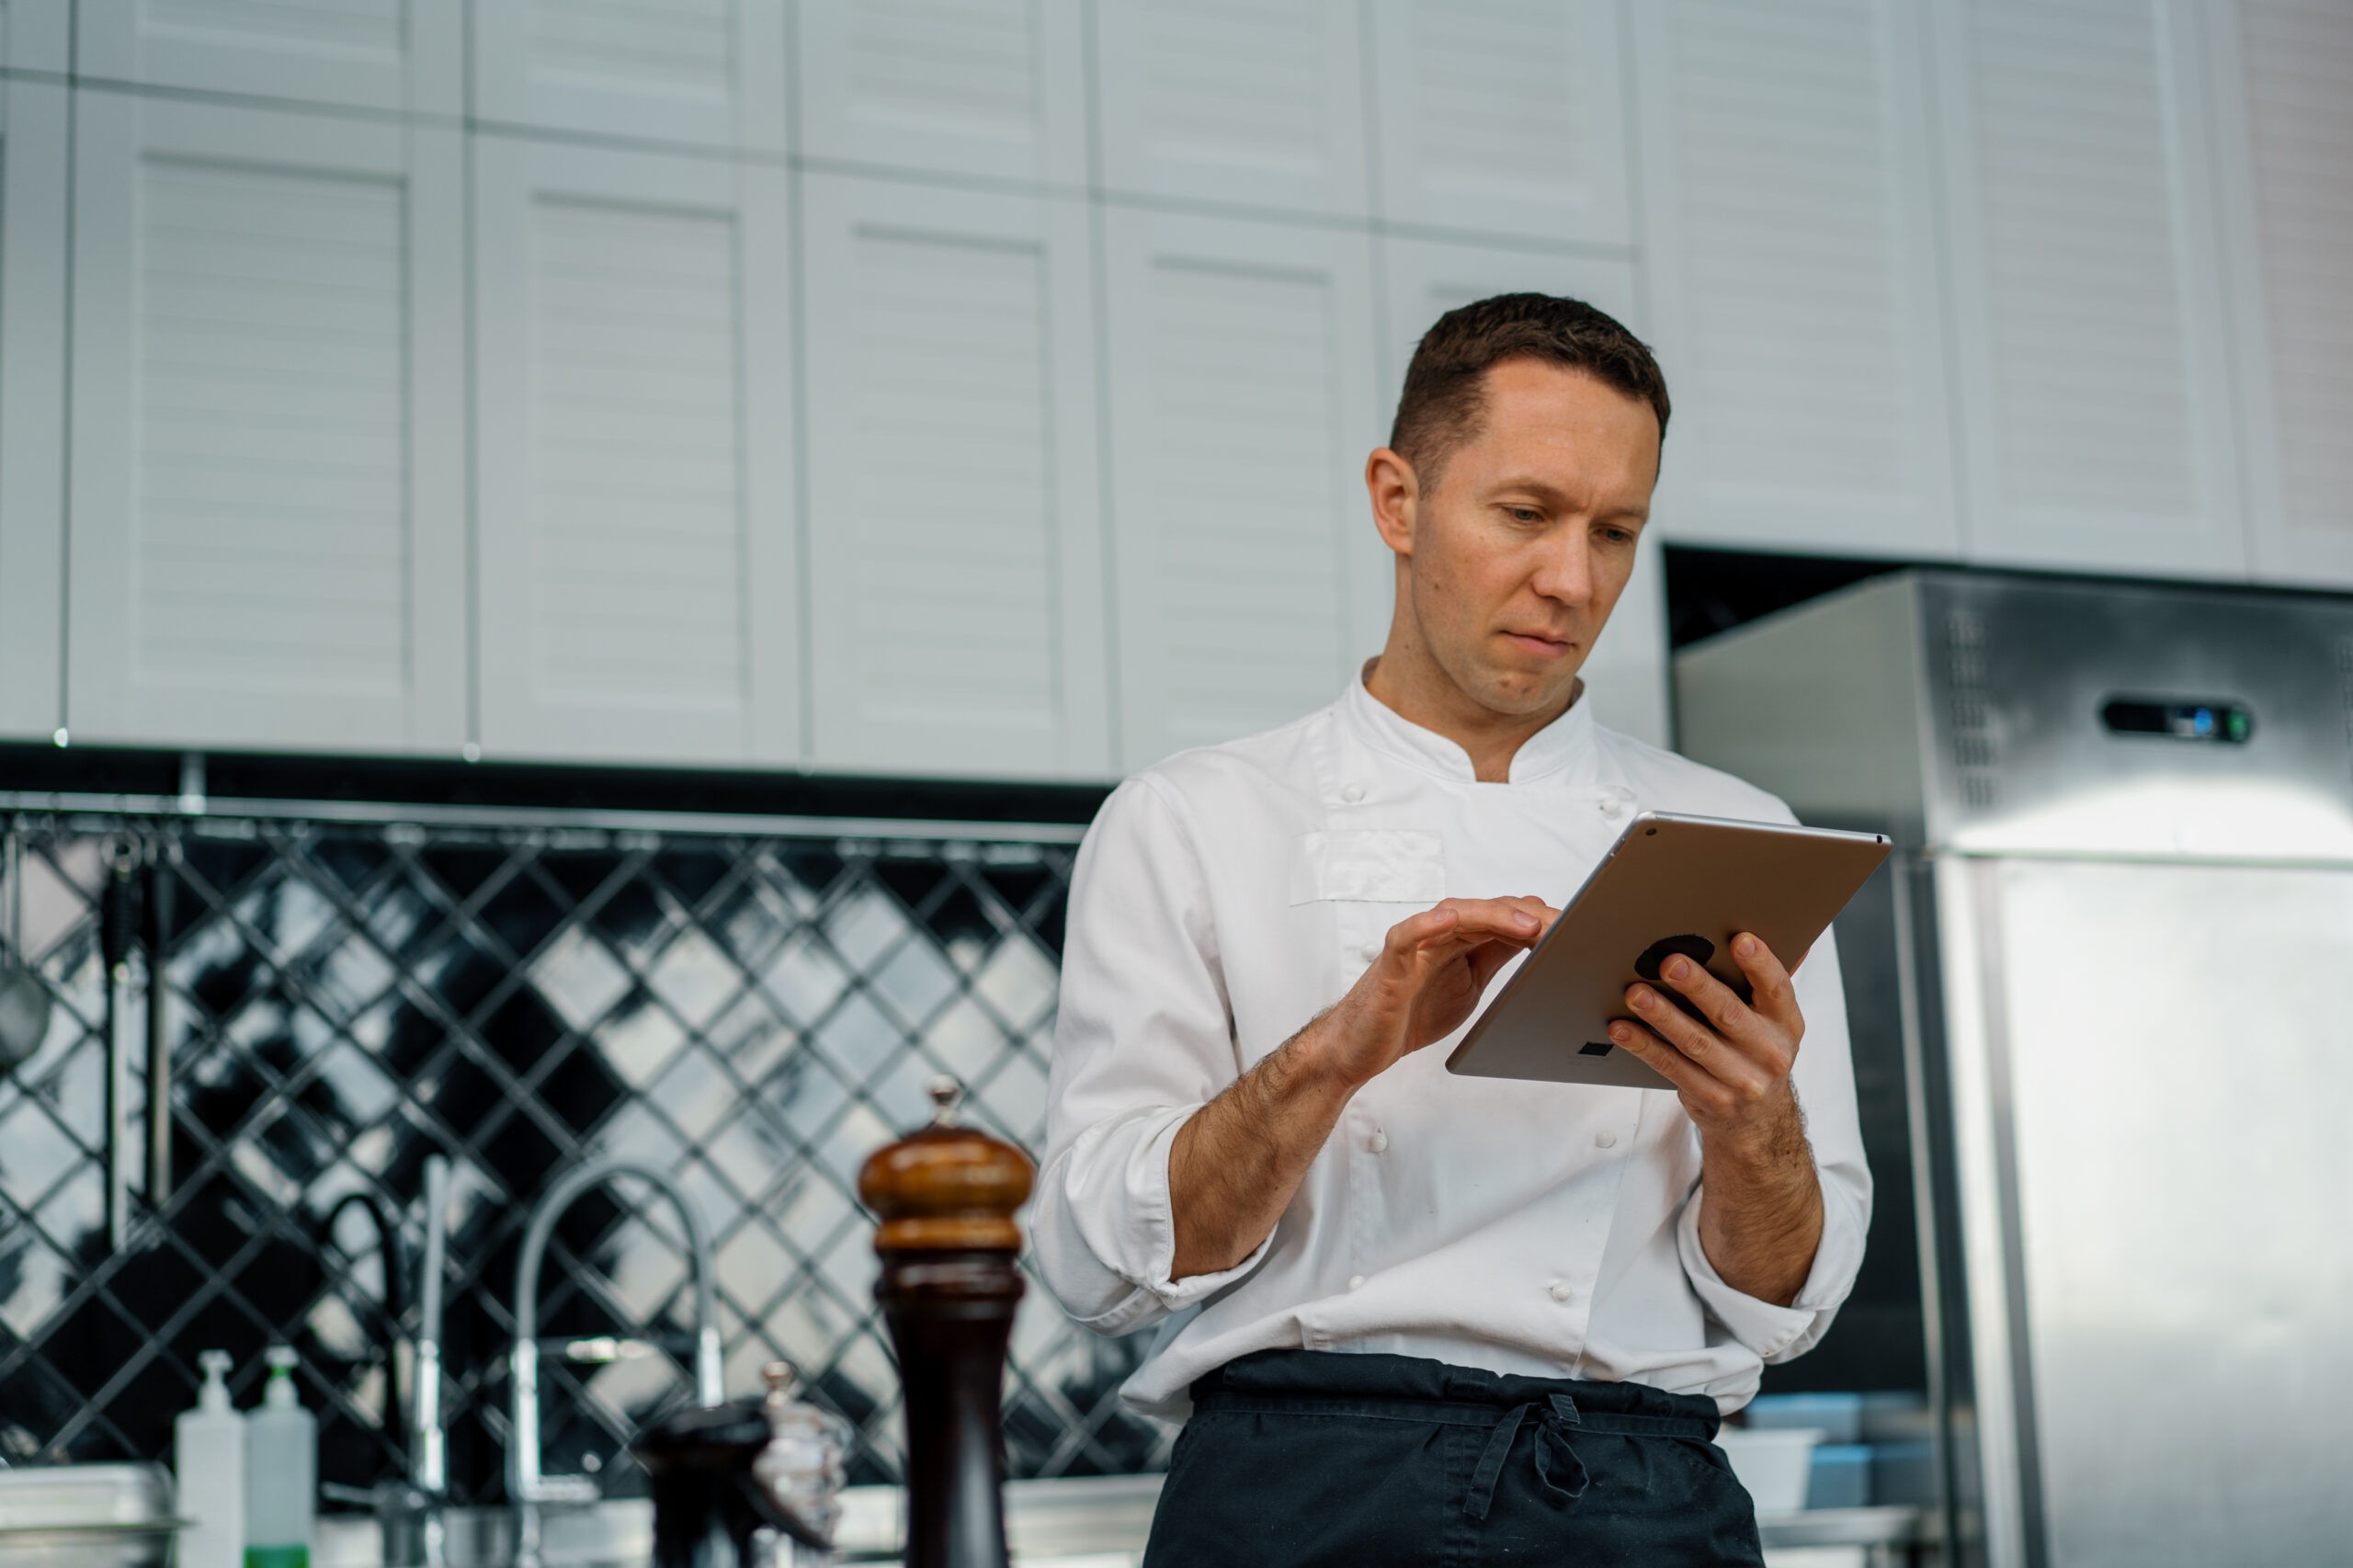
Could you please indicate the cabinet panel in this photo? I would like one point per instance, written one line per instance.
(267, 505)
(33, 405)
(1243, 404)
(1789, 196)
(955, 528)
(710, 71)
(2095, 385)
(1259, 102)
(2284, 69)
(36, 35)
(1421, 281)
(1504, 116)
(385, 54)
(989, 88)
(634, 506)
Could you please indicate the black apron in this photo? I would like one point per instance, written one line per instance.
(1302, 1459)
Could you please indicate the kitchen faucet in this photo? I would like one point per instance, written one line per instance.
(527, 1489)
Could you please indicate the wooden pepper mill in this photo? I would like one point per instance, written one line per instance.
(946, 1195)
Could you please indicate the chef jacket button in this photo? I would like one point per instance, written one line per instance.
(1352, 793)
(1611, 804)
(1561, 1289)
(1605, 1139)
(1378, 1141)
(1356, 1281)
(1370, 951)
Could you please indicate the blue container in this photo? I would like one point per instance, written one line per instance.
(1841, 1477)
(1839, 1415)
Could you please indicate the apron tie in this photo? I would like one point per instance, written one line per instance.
(1553, 1452)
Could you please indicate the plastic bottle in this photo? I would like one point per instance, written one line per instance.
(209, 1469)
(281, 1471)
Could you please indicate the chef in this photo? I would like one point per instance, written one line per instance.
(1408, 1317)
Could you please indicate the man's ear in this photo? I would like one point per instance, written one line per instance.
(1396, 494)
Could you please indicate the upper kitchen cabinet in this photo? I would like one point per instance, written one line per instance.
(706, 72)
(1244, 399)
(36, 35)
(1507, 117)
(634, 471)
(1250, 102)
(269, 512)
(1796, 298)
(2283, 72)
(955, 531)
(33, 403)
(2096, 383)
(995, 88)
(379, 55)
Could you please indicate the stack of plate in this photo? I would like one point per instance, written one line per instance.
(86, 1516)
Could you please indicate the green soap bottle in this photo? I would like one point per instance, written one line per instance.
(281, 1471)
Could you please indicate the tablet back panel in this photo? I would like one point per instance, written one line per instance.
(1670, 884)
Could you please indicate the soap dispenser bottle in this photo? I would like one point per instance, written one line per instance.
(281, 1471)
(208, 1468)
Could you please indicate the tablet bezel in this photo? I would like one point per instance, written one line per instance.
(1510, 1040)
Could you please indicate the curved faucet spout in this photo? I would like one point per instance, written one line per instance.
(526, 1488)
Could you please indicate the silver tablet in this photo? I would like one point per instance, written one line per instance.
(1670, 884)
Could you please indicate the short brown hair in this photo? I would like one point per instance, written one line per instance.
(1445, 403)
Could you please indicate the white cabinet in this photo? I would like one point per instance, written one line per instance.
(1242, 405)
(1788, 193)
(267, 514)
(379, 54)
(956, 560)
(1506, 115)
(995, 88)
(634, 449)
(2283, 74)
(1252, 102)
(36, 35)
(709, 72)
(2096, 384)
(1421, 280)
(32, 403)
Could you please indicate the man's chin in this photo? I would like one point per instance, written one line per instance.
(1513, 695)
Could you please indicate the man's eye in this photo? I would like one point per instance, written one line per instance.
(1524, 515)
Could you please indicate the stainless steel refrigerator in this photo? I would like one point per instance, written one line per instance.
(2112, 965)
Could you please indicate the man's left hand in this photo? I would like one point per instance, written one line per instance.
(1760, 1215)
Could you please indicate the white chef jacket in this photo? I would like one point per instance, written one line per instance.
(1227, 896)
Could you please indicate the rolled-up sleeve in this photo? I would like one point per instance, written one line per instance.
(1824, 1080)
(1143, 1040)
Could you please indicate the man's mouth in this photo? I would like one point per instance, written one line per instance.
(1537, 644)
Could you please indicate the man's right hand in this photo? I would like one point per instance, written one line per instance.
(1235, 1163)
(1432, 971)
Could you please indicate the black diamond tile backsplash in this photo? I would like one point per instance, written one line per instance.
(752, 1014)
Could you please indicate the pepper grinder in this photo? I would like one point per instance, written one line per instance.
(946, 1195)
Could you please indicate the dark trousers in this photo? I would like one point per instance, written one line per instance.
(1298, 1459)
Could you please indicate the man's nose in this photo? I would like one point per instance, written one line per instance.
(1565, 574)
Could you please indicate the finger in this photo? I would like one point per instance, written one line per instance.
(1481, 919)
(1720, 1003)
(1699, 1044)
(1688, 1076)
(1489, 957)
(1774, 996)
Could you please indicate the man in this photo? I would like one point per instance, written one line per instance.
(1417, 1318)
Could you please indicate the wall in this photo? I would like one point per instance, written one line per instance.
(980, 390)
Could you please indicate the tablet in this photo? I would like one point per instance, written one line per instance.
(1671, 884)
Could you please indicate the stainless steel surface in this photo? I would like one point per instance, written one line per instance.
(86, 1516)
(617, 1534)
(428, 1444)
(526, 1486)
(2123, 1001)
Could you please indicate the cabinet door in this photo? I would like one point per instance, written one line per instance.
(33, 405)
(1789, 194)
(991, 87)
(267, 518)
(701, 71)
(382, 54)
(1502, 116)
(2283, 74)
(36, 35)
(955, 533)
(1421, 280)
(2095, 386)
(632, 372)
(1255, 102)
(1243, 404)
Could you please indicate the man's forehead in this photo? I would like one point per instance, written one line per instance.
(1536, 410)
